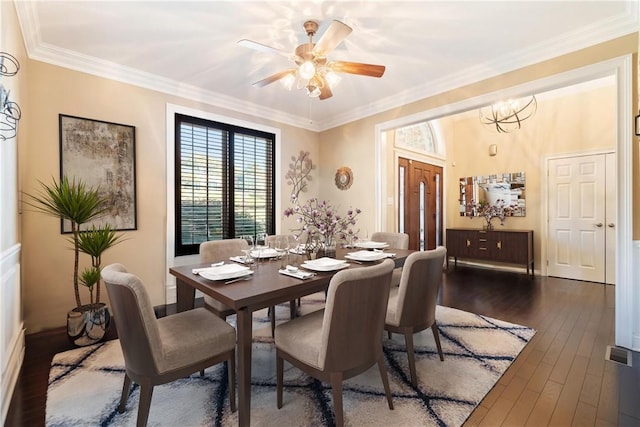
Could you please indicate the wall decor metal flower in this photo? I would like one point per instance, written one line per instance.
(299, 173)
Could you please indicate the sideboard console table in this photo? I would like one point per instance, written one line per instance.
(508, 246)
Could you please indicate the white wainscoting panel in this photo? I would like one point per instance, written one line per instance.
(11, 325)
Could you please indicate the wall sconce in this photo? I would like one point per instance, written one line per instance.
(10, 112)
(493, 150)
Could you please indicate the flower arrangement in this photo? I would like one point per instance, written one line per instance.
(488, 212)
(321, 221)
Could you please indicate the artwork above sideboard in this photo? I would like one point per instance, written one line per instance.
(509, 187)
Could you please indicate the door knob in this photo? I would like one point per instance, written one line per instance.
(599, 224)
(611, 225)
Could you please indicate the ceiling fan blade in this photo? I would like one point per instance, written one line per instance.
(262, 47)
(358, 68)
(331, 38)
(274, 78)
(325, 92)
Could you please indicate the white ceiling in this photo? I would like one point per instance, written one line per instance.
(189, 48)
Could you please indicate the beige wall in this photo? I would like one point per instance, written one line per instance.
(47, 261)
(569, 124)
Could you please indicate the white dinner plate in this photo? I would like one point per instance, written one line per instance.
(366, 256)
(325, 264)
(264, 253)
(225, 272)
(371, 245)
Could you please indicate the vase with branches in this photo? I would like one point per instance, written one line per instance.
(321, 222)
(488, 211)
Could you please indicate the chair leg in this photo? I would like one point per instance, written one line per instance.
(385, 381)
(125, 394)
(146, 393)
(279, 375)
(408, 337)
(436, 337)
(202, 372)
(389, 334)
(231, 366)
(336, 388)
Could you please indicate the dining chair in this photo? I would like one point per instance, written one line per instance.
(345, 338)
(412, 305)
(158, 351)
(220, 250)
(394, 240)
(216, 251)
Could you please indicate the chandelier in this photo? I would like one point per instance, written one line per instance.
(507, 116)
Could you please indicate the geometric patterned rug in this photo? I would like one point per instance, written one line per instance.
(85, 383)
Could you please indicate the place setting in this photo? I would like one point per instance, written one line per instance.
(220, 271)
(363, 256)
(324, 264)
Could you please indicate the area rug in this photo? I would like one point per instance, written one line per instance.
(85, 383)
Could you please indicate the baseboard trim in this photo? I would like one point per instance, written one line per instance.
(500, 267)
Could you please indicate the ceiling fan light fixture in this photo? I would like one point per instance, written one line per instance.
(313, 91)
(332, 79)
(288, 80)
(307, 70)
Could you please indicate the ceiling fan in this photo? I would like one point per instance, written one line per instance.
(314, 71)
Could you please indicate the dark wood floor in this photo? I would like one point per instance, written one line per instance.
(561, 378)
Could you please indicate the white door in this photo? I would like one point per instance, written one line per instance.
(611, 209)
(577, 217)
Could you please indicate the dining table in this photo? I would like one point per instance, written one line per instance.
(266, 287)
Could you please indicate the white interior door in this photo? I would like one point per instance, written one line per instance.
(577, 217)
(611, 209)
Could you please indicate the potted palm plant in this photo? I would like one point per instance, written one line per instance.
(74, 201)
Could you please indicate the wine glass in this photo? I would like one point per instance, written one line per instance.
(261, 244)
(248, 258)
(282, 248)
(294, 245)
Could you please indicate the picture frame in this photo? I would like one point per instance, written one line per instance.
(102, 155)
(637, 125)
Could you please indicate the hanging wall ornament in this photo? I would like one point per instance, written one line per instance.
(344, 178)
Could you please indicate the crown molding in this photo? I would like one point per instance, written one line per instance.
(591, 35)
(594, 34)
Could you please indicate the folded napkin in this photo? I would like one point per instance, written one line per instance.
(297, 274)
(241, 259)
(199, 270)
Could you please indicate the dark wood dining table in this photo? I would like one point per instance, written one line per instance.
(266, 288)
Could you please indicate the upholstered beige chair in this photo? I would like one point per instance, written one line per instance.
(394, 240)
(412, 305)
(345, 338)
(158, 351)
(215, 251)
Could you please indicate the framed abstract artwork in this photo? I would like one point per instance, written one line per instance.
(102, 155)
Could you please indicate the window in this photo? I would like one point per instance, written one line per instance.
(224, 182)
